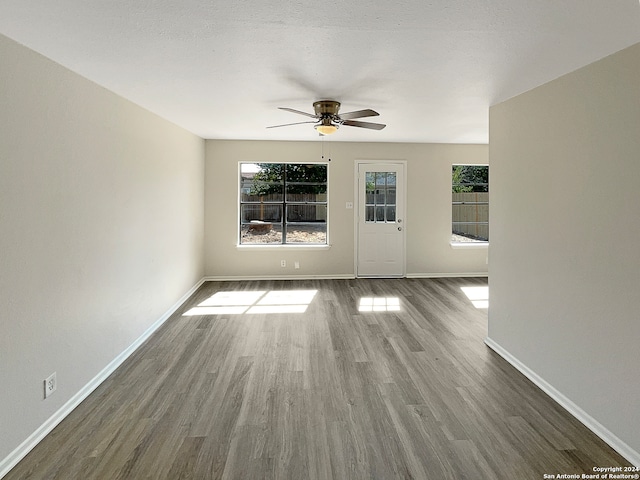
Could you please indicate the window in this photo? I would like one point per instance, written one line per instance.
(470, 202)
(381, 197)
(283, 204)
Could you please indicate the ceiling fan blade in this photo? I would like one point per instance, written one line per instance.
(359, 114)
(298, 112)
(288, 124)
(372, 126)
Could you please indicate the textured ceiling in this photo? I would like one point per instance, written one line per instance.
(220, 68)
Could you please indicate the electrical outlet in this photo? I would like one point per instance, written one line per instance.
(283, 263)
(296, 265)
(50, 385)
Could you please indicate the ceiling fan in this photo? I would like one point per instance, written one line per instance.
(327, 120)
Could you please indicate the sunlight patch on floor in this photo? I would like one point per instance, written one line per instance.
(379, 304)
(254, 302)
(479, 296)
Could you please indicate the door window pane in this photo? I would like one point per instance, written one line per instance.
(380, 197)
(369, 213)
(391, 213)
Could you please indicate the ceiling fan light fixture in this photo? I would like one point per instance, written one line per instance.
(326, 126)
(326, 129)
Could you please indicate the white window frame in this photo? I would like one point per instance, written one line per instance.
(284, 223)
(471, 243)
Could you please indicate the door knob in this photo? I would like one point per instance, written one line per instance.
(399, 229)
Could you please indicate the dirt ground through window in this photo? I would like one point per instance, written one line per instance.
(306, 234)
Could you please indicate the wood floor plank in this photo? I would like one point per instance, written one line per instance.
(184, 461)
(336, 392)
(316, 437)
(422, 457)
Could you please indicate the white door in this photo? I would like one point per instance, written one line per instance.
(381, 227)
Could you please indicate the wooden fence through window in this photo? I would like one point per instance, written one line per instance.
(470, 214)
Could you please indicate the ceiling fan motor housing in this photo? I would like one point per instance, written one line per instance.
(326, 108)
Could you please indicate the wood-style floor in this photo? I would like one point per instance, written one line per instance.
(334, 393)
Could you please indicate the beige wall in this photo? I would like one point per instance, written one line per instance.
(101, 231)
(428, 217)
(564, 277)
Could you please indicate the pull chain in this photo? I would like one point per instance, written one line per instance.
(322, 148)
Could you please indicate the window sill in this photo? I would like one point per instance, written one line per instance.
(283, 247)
(469, 245)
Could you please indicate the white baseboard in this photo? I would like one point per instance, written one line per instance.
(587, 420)
(448, 275)
(36, 437)
(344, 276)
(216, 278)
